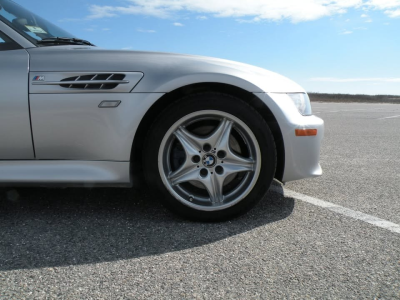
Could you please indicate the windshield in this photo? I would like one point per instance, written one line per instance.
(31, 26)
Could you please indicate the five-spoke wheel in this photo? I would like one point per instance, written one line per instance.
(208, 152)
(219, 160)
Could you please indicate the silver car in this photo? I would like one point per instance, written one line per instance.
(208, 135)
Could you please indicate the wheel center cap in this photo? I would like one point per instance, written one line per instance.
(209, 160)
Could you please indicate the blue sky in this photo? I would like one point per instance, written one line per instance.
(335, 46)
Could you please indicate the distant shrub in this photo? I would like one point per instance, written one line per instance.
(322, 97)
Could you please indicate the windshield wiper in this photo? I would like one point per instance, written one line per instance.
(64, 41)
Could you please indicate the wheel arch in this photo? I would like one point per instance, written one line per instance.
(168, 98)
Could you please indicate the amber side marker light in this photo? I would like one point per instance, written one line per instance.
(306, 132)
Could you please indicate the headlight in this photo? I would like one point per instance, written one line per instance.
(302, 103)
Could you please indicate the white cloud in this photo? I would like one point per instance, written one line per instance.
(346, 32)
(127, 48)
(178, 24)
(250, 10)
(368, 21)
(106, 29)
(383, 4)
(393, 13)
(70, 20)
(97, 11)
(364, 16)
(201, 18)
(146, 30)
(391, 7)
(342, 80)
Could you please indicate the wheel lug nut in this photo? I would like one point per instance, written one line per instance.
(221, 154)
(203, 172)
(196, 159)
(219, 170)
(207, 147)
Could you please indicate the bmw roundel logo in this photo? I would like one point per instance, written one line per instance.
(209, 160)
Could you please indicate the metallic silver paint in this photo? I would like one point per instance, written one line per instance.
(301, 153)
(15, 127)
(68, 124)
(67, 172)
(164, 72)
(72, 126)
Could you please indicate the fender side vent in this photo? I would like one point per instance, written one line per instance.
(94, 81)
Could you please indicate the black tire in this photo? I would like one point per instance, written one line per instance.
(219, 102)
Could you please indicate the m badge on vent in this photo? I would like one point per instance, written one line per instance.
(38, 78)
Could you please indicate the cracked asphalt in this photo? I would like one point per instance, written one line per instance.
(121, 244)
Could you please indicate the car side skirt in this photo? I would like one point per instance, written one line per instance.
(65, 173)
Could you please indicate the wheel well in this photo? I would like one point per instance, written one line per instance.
(164, 101)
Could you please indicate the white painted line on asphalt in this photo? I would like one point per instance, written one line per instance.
(393, 227)
(351, 110)
(389, 117)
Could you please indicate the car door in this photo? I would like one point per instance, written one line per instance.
(15, 128)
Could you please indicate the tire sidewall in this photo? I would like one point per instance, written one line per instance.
(219, 102)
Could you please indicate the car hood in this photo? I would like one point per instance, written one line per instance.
(163, 72)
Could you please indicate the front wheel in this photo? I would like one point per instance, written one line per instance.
(211, 156)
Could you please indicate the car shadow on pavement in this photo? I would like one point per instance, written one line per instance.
(42, 227)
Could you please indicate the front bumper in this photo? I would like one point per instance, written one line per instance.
(301, 152)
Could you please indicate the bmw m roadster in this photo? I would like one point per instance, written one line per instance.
(209, 135)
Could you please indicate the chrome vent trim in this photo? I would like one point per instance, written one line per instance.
(92, 81)
(83, 82)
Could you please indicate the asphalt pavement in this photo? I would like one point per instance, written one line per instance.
(121, 244)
